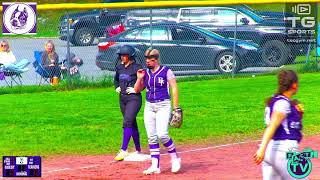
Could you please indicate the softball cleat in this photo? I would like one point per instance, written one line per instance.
(121, 155)
(152, 170)
(175, 165)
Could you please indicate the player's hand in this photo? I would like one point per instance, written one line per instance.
(140, 73)
(258, 156)
(130, 90)
(118, 90)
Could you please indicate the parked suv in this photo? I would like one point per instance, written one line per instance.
(139, 17)
(85, 26)
(269, 32)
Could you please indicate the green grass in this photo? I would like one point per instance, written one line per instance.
(64, 85)
(89, 121)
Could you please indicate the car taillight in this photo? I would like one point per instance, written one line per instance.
(105, 45)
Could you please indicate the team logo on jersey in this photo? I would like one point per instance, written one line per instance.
(160, 81)
(299, 163)
(19, 18)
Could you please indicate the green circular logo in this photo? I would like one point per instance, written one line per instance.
(299, 166)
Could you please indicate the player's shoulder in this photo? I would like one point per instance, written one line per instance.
(281, 101)
(119, 66)
(166, 68)
(137, 66)
(281, 98)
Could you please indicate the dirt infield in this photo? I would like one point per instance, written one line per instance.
(231, 161)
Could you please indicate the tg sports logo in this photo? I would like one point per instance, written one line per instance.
(299, 164)
(19, 18)
(301, 22)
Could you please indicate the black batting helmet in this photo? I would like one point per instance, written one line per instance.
(127, 50)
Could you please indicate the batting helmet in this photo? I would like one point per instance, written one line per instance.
(127, 50)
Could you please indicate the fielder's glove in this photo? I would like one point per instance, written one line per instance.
(130, 90)
(299, 106)
(118, 89)
(176, 118)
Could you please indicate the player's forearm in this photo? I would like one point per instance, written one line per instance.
(139, 85)
(175, 95)
(267, 136)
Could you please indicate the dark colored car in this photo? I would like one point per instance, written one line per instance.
(183, 47)
(269, 32)
(86, 26)
(271, 35)
(268, 15)
(138, 17)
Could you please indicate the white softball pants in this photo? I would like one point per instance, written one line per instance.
(274, 165)
(156, 120)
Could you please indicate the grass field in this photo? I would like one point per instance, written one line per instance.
(89, 121)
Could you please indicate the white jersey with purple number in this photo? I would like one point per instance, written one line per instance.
(157, 84)
(291, 126)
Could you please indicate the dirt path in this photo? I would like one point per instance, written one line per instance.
(230, 161)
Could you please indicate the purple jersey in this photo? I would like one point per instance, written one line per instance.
(157, 84)
(291, 126)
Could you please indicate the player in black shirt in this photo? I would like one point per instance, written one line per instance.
(130, 101)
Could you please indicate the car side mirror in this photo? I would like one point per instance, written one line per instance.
(244, 21)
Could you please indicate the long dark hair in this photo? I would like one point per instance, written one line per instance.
(285, 80)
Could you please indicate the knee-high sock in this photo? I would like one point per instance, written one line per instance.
(171, 149)
(127, 133)
(136, 138)
(155, 154)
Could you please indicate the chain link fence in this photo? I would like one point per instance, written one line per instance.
(220, 41)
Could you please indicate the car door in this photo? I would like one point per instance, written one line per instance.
(189, 49)
(156, 37)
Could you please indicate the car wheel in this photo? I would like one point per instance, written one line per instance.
(275, 53)
(225, 62)
(83, 37)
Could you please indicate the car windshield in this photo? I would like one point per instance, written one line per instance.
(250, 13)
(244, 6)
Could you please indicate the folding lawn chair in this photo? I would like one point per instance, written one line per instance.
(44, 75)
(14, 72)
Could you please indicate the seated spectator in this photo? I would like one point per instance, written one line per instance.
(50, 60)
(72, 64)
(8, 59)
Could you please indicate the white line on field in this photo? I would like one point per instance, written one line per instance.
(87, 167)
(180, 152)
(57, 170)
(214, 147)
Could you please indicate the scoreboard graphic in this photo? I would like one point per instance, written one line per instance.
(21, 166)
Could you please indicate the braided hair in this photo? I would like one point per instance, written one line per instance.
(285, 80)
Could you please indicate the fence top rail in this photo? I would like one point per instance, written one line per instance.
(154, 4)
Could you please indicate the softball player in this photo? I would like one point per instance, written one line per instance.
(157, 79)
(283, 132)
(130, 101)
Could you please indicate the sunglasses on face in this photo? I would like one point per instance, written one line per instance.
(151, 57)
(4, 45)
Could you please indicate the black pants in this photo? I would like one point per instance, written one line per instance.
(130, 105)
(54, 71)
